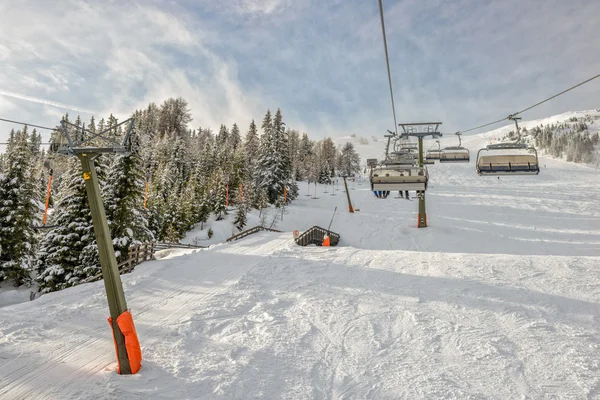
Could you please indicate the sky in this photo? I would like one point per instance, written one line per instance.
(461, 62)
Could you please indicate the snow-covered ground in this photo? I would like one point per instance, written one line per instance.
(498, 298)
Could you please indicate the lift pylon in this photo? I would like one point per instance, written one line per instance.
(80, 143)
(420, 130)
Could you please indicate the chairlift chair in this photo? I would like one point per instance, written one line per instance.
(455, 154)
(401, 158)
(504, 159)
(388, 178)
(507, 159)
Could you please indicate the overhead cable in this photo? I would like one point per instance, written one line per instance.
(387, 61)
(25, 123)
(533, 106)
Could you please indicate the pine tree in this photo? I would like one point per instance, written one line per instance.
(235, 138)
(349, 161)
(203, 208)
(17, 210)
(305, 158)
(251, 145)
(66, 252)
(241, 218)
(173, 118)
(218, 195)
(328, 156)
(270, 172)
(124, 202)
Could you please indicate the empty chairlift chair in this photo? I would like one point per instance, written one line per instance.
(402, 158)
(456, 154)
(507, 159)
(395, 178)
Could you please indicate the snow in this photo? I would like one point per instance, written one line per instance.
(10, 295)
(497, 298)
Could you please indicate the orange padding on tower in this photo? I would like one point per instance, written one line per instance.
(132, 344)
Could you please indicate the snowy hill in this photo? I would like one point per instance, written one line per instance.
(497, 298)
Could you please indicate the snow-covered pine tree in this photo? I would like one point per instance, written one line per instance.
(269, 174)
(241, 218)
(187, 206)
(305, 158)
(251, 145)
(349, 160)
(167, 183)
(203, 207)
(328, 155)
(286, 178)
(218, 190)
(124, 201)
(18, 210)
(222, 146)
(173, 118)
(235, 138)
(61, 253)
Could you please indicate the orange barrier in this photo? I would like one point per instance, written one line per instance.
(327, 241)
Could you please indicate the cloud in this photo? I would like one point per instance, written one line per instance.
(464, 62)
(44, 101)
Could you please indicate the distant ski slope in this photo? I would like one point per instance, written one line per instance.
(498, 298)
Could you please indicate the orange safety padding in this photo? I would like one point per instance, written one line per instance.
(327, 241)
(132, 344)
(115, 342)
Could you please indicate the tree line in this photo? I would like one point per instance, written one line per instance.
(176, 177)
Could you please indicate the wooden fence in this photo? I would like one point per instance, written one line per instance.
(250, 231)
(140, 253)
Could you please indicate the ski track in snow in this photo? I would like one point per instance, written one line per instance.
(497, 299)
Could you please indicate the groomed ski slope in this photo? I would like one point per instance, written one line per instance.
(498, 299)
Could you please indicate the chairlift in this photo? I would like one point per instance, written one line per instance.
(433, 154)
(502, 159)
(388, 178)
(508, 158)
(401, 158)
(455, 154)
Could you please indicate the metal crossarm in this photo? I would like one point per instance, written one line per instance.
(75, 145)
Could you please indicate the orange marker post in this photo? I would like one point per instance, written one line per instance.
(47, 199)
